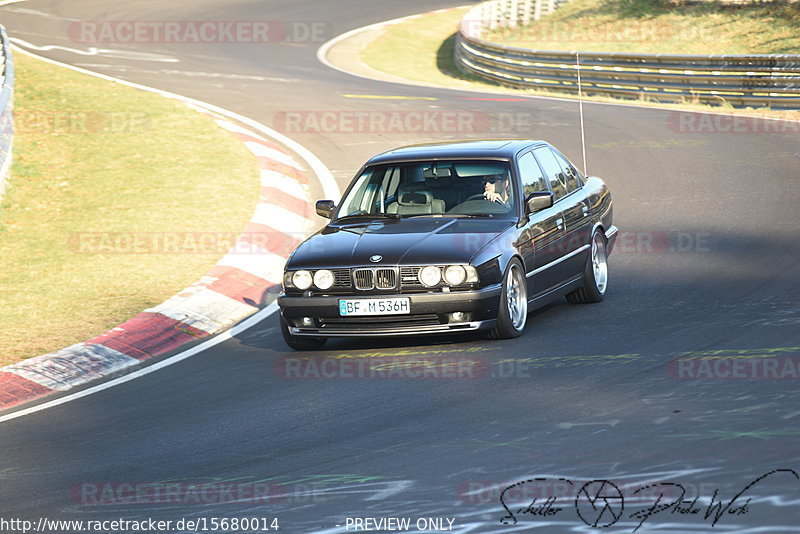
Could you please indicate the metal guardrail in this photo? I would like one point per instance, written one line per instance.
(6, 107)
(739, 80)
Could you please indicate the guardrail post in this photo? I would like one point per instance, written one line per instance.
(513, 13)
(527, 11)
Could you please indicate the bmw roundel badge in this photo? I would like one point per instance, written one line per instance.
(375, 258)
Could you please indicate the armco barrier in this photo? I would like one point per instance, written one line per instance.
(6, 107)
(756, 80)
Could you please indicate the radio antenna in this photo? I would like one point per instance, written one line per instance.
(580, 105)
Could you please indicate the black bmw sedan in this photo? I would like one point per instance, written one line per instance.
(449, 237)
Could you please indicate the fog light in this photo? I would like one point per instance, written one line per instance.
(457, 317)
(308, 321)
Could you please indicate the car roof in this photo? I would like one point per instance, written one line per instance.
(485, 148)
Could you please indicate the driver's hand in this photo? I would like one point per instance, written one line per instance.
(491, 195)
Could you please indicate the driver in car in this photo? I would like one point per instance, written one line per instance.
(496, 188)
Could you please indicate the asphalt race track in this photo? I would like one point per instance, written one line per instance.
(707, 265)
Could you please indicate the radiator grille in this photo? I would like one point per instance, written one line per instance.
(363, 279)
(385, 278)
(382, 278)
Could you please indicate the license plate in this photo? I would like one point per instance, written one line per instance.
(394, 306)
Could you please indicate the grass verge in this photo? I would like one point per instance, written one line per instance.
(112, 197)
(422, 50)
(659, 27)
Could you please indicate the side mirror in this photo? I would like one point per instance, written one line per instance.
(538, 201)
(325, 208)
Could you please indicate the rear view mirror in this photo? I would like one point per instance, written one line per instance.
(325, 208)
(538, 201)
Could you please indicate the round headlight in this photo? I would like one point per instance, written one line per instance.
(323, 279)
(455, 275)
(430, 276)
(472, 274)
(302, 280)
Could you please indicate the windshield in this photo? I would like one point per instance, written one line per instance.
(432, 188)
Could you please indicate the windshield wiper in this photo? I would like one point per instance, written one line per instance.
(470, 215)
(452, 216)
(368, 216)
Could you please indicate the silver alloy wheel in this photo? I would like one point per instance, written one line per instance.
(599, 263)
(516, 299)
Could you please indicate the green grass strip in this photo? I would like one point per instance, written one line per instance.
(660, 27)
(97, 164)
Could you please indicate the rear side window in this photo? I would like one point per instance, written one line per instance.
(553, 172)
(531, 175)
(570, 173)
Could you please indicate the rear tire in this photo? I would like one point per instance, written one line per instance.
(512, 313)
(595, 274)
(300, 342)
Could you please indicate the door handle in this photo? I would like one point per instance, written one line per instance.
(585, 211)
(560, 224)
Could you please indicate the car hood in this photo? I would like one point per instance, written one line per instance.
(398, 241)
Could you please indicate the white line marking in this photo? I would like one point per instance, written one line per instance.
(225, 336)
(92, 51)
(323, 174)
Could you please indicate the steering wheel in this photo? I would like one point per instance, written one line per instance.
(478, 196)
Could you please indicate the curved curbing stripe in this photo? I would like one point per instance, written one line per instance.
(247, 276)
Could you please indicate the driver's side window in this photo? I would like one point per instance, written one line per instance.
(531, 174)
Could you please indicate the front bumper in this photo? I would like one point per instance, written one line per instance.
(429, 314)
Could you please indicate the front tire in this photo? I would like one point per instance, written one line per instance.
(300, 342)
(512, 312)
(595, 274)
